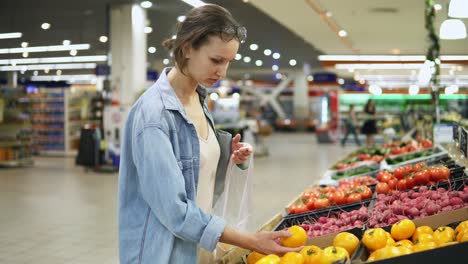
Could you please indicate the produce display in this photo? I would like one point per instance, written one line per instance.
(405, 238)
(356, 171)
(344, 245)
(322, 197)
(409, 156)
(413, 204)
(410, 176)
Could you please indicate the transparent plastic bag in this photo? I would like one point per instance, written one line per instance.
(235, 203)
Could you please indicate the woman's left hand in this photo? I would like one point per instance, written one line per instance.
(240, 151)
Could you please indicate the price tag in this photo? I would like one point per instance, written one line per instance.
(463, 142)
(455, 132)
(443, 133)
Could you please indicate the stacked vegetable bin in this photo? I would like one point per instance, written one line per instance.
(374, 189)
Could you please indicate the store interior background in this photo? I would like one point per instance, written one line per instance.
(287, 92)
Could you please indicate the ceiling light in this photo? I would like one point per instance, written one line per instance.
(45, 26)
(194, 3)
(24, 44)
(25, 54)
(59, 72)
(45, 48)
(396, 51)
(275, 67)
(458, 8)
(148, 30)
(46, 70)
(238, 56)
(11, 35)
(276, 55)
(267, 52)
(341, 81)
(245, 1)
(247, 59)
(452, 29)
(375, 89)
(35, 73)
(166, 61)
(292, 62)
(146, 4)
(328, 14)
(151, 49)
(181, 18)
(66, 42)
(73, 52)
(437, 7)
(362, 81)
(258, 63)
(342, 33)
(459, 68)
(383, 66)
(47, 67)
(55, 60)
(214, 96)
(103, 39)
(174, 36)
(278, 76)
(253, 46)
(310, 78)
(75, 77)
(413, 89)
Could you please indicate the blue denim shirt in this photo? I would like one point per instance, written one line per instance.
(159, 221)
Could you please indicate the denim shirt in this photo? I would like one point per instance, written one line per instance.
(159, 221)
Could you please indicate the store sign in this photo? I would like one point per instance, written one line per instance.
(102, 70)
(455, 132)
(324, 77)
(463, 141)
(443, 133)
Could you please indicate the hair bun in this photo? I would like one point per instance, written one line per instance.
(169, 43)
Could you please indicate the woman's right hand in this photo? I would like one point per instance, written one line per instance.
(270, 243)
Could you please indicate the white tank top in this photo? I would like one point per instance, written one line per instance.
(209, 157)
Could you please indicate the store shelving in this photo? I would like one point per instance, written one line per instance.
(15, 128)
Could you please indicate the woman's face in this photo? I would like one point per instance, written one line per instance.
(210, 62)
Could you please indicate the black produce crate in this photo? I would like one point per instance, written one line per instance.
(417, 156)
(449, 254)
(311, 216)
(456, 171)
(372, 173)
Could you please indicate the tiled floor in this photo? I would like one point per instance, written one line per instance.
(58, 213)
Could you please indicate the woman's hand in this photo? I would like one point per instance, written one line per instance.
(240, 151)
(269, 243)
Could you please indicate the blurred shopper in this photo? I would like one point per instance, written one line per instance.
(351, 123)
(370, 127)
(172, 156)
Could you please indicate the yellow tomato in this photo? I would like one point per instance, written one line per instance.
(403, 229)
(298, 237)
(404, 242)
(422, 230)
(332, 254)
(390, 241)
(270, 259)
(462, 226)
(311, 254)
(253, 257)
(405, 250)
(424, 246)
(387, 252)
(424, 238)
(374, 239)
(292, 258)
(444, 234)
(448, 244)
(347, 241)
(462, 236)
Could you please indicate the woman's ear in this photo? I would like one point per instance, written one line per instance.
(187, 50)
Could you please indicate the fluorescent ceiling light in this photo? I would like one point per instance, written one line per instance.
(55, 60)
(146, 4)
(69, 66)
(103, 39)
(452, 29)
(46, 48)
(292, 62)
(166, 61)
(24, 44)
(238, 56)
(458, 8)
(151, 49)
(275, 67)
(78, 77)
(148, 30)
(384, 66)
(247, 59)
(253, 46)
(181, 18)
(276, 55)
(267, 52)
(66, 42)
(258, 63)
(387, 58)
(194, 3)
(342, 33)
(11, 35)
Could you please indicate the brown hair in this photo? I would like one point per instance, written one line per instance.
(199, 24)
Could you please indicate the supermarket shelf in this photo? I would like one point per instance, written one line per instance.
(7, 144)
(51, 152)
(47, 100)
(47, 130)
(47, 121)
(16, 163)
(48, 110)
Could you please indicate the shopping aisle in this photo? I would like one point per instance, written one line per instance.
(57, 213)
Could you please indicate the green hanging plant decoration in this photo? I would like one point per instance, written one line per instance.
(433, 52)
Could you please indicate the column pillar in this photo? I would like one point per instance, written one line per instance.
(301, 96)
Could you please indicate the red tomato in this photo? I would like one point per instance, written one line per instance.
(396, 150)
(392, 184)
(381, 174)
(421, 166)
(292, 209)
(399, 173)
(422, 177)
(410, 182)
(386, 177)
(301, 209)
(402, 184)
(366, 192)
(338, 198)
(328, 189)
(445, 173)
(310, 204)
(354, 197)
(382, 187)
(409, 169)
(305, 197)
(440, 174)
(427, 143)
(321, 203)
(340, 166)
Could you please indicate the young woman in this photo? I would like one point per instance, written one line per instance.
(173, 162)
(370, 127)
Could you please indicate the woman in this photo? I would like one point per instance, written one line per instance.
(370, 128)
(173, 161)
